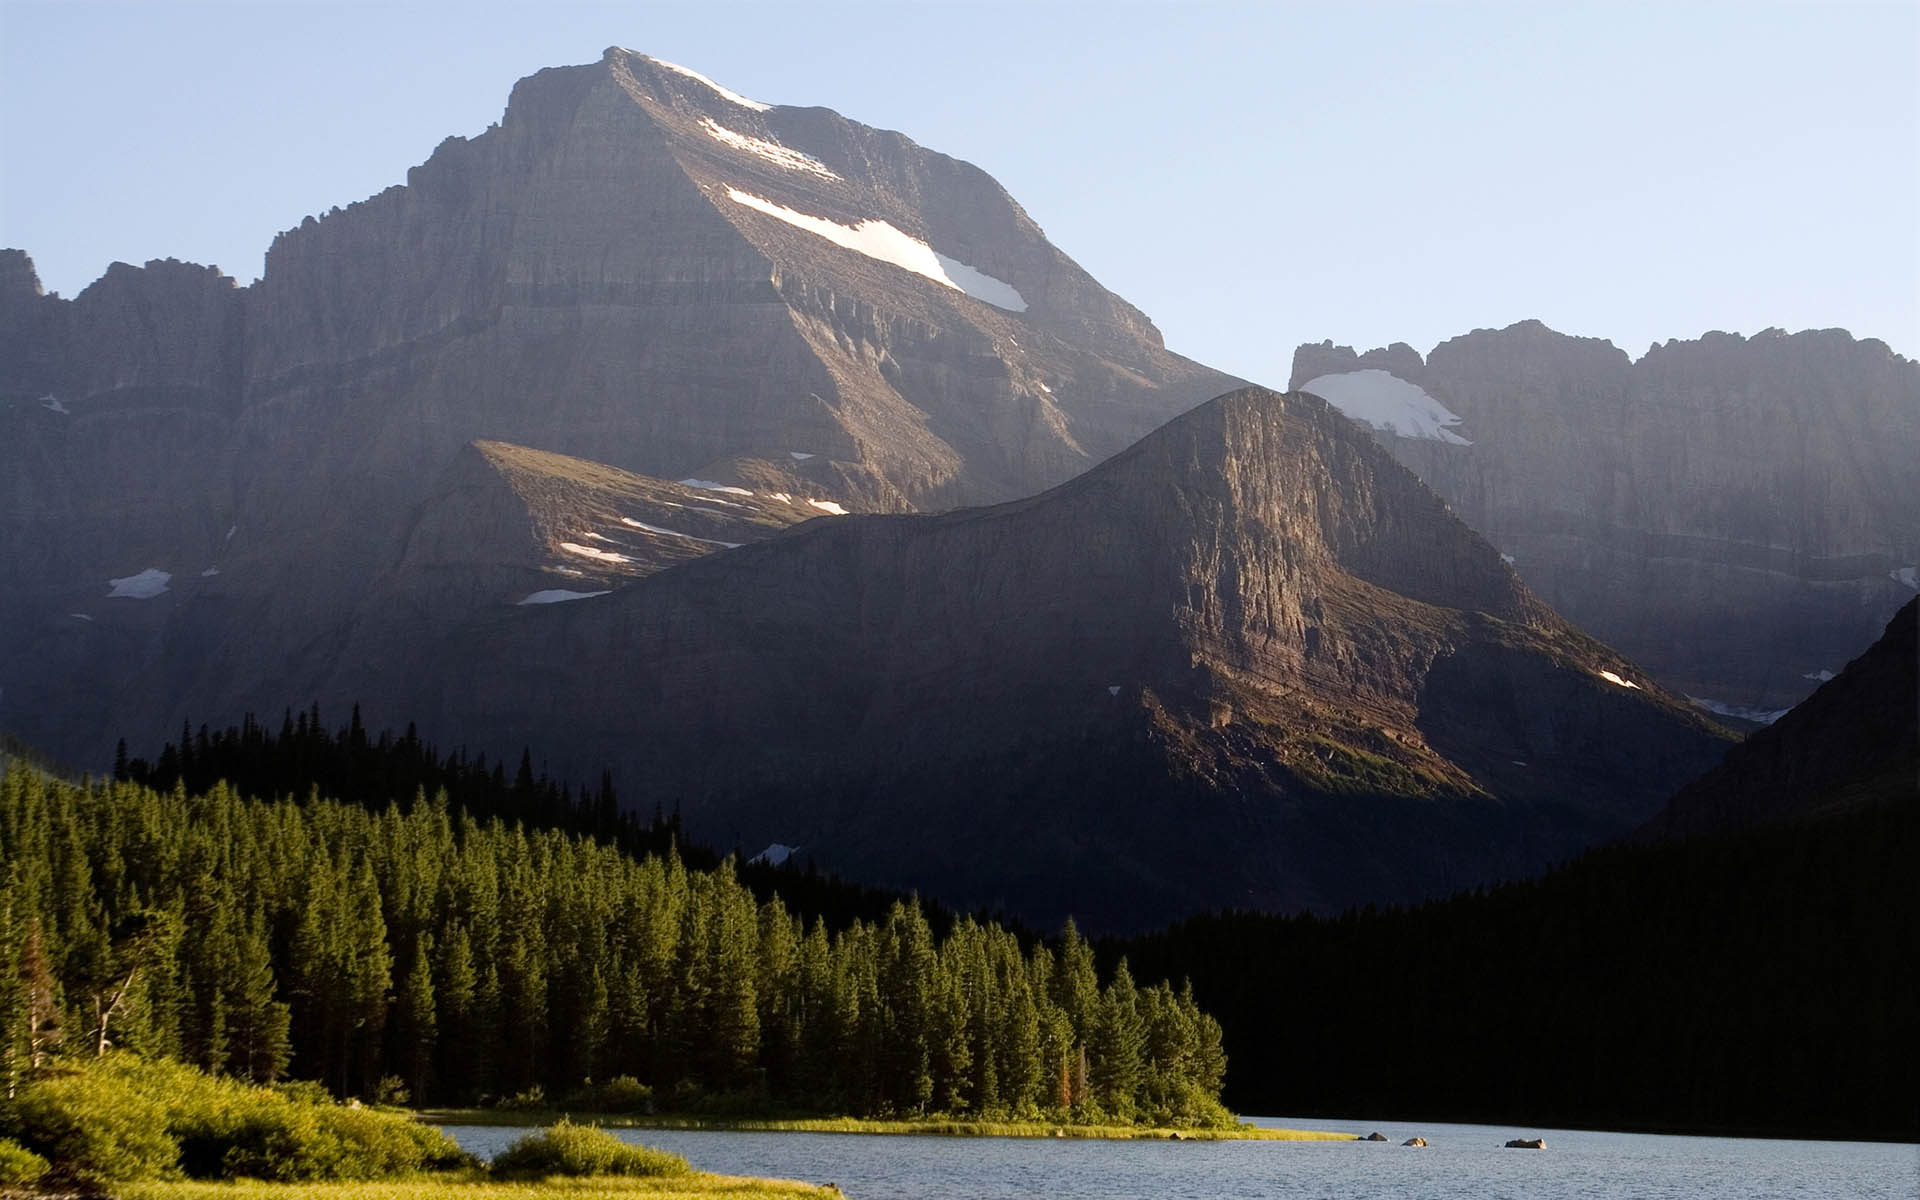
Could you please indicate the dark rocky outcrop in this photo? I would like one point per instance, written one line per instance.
(1855, 742)
(1527, 1144)
(1741, 515)
(1415, 1141)
(1249, 661)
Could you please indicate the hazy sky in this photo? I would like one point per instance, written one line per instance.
(1252, 176)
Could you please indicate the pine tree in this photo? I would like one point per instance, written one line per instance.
(417, 1028)
(1117, 1048)
(258, 1046)
(460, 1032)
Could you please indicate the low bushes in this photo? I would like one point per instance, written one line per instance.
(621, 1094)
(124, 1118)
(568, 1149)
(19, 1166)
(90, 1123)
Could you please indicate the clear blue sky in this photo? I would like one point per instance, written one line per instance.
(1251, 175)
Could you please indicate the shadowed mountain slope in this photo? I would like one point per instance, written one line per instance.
(1854, 743)
(1250, 660)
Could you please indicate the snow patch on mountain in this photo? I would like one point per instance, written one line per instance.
(773, 152)
(1610, 677)
(775, 854)
(726, 94)
(708, 485)
(143, 586)
(642, 525)
(559, 596)
(828, 506)
(880, 240)
(1907, 575)
(1820, 676)
(799, 455)
(1388, 403)
(1759, 716)
(590, 552)
(52, 403)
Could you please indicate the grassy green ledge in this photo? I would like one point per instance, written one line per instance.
(925, 1127)
(477, 1185)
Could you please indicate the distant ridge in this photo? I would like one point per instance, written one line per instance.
(1739, 514)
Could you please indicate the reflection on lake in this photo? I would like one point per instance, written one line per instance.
(1461, 1162)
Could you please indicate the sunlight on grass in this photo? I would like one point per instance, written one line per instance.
(476, 1186)
(928, 1127)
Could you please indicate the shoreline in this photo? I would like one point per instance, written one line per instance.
(917, 1127)
(469, 1185)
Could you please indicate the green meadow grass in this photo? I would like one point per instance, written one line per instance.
(927, 1127)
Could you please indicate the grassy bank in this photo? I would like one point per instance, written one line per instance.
(928, 1127)
(477, 1185)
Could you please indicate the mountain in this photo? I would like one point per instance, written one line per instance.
(1854, 743)
(1248, 661)
(636, 267)
(1740, 515)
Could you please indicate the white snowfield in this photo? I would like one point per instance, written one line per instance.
(880, 240)
(144, 586)
(1820, 676)
(51, 403)
(773, 152)
(642, 525)
(799, 455)
(1610, 677)
(590, 552)
(708, 485)
(1760, 716)
(775, 854)
(829, 506)
(1388, 403)
(1907, 575)
(559, 596)
(726, 94)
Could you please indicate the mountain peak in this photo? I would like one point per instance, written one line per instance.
(621, 56)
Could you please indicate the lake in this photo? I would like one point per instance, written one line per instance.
(1462, 1162)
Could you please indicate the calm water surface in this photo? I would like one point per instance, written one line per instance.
(1463, 1162)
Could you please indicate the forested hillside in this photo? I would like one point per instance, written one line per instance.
(1759, 982)
(413, 948)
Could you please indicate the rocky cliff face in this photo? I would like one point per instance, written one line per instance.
(635, 266)
(1250, 660)
(1741, 515)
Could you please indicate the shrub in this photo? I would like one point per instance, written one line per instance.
(622, 1094)
(569, 1149)
(93, 1126)
(534, 1099)
(222, 1129)
(19, 1166)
